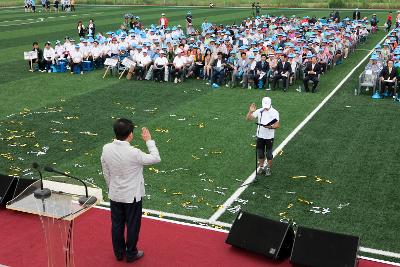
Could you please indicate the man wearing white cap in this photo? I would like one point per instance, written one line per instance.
(160, 66)
(267, 121)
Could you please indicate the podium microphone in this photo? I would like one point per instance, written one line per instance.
(87, 200)
(41, 192)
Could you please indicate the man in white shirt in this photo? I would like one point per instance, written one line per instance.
(160, 67)
(178, 66)
(48, 55)
(267, 121)
(123, 172)
(97, 54)
(76, 59)
(142, 65)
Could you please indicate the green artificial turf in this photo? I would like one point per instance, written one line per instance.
(205, 143)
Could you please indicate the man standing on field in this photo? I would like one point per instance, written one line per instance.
(267, 121)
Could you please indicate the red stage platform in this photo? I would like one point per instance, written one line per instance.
(164, 243)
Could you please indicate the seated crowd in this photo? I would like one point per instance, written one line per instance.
(259, 53)
(383, 69)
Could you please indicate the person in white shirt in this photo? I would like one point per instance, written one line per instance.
(160, 67)
(178, 66)
(122, 167)
(97, 54)
(143, 65)
(59, 50)
(267, 121)
(49, 56)
(76, 59)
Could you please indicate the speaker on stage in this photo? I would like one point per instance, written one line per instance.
(11, 187)
(270, 238)
(6, 184)
(317, 248)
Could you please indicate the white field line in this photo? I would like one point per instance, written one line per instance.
(175, 222)
(178, 216)
(252, 176)
(379, 261)
(362, 249)
(380, 252)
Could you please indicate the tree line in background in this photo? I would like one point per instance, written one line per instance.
(382, 4)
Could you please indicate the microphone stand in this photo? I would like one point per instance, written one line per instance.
(83, 200)
(40, 193)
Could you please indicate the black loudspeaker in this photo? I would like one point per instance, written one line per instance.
(6, 184)
(317, 248)
(11, 187)
(272, 239)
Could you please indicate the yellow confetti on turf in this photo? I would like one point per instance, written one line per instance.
(253, 145)
(169, 140)
(162, 130)
(301, 200)
(68, 149)
(66, 141)
(201, 125)
(36, 145)
(298, 177)
(216, 152)
(290, 205)
(283, 214)
(22, 145)
(7, 156)
(177, 193)
(280, 152)
(154, 170)
(169, 203)
(146, 213)
(165, 190)
(195, 157)
(71, 118)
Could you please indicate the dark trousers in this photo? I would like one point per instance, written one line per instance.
(218, 76)
(276, 78)
(388, 85)
(129, 214)
(158, 74)
(314, 79)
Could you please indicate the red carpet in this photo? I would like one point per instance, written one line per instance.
(164, 243)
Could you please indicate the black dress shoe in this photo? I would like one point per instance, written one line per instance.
(136, 257)
(119, 257)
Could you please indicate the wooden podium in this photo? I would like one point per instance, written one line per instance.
(57, 214)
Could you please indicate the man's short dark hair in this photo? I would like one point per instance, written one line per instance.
(35, 43)
(122, 128)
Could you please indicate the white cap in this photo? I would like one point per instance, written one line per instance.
(266, 102)
(144, 51)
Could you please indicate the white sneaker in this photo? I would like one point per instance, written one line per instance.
(81, 72)
(268, 89)
(249, 87)
(176, 80)
(267, 171)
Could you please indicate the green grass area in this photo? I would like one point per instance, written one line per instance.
(204, 141)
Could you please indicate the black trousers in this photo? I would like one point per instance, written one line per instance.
(264, 148)
(129, 214)
(315, 81)
(158, 74)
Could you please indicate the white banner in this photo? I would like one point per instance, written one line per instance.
(30, 55)
(112, 62)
